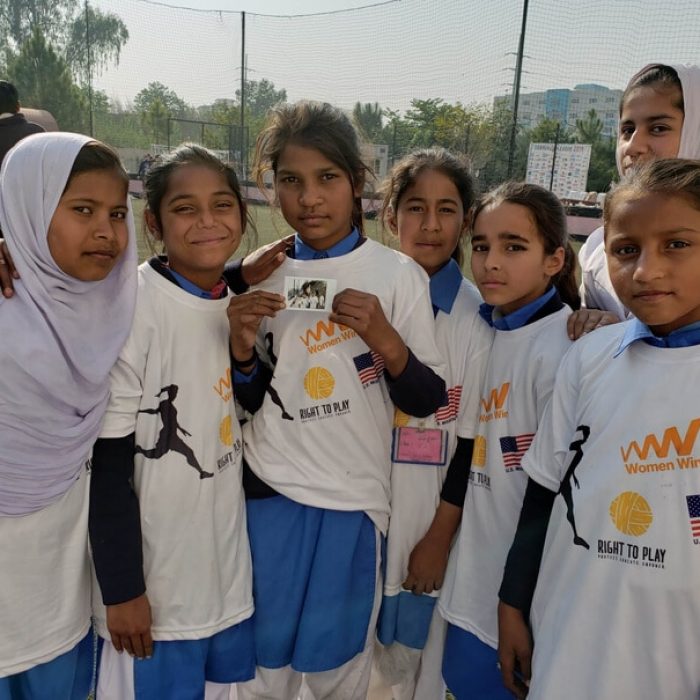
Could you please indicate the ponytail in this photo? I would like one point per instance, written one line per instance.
(565, 280)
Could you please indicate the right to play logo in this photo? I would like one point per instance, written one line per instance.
(632, 515)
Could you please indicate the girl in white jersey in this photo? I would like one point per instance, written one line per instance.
(167, 517)
(322, 387)
(659, 118)
(616, 611)
(65, 216)
(524, 267)
(427, 199)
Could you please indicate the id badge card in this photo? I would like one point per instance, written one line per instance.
(426, 446)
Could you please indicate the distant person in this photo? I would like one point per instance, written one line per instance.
(144, 166)
(13, 125)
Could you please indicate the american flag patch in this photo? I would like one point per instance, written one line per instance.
(513, 448)
(694, 514)
(369, 367)
(449, 410)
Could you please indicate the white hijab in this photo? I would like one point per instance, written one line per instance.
(690, 133)
(59, 337)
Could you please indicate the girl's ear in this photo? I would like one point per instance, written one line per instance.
(152, 224)
(358, 186)
(391, 222)
(466, 223)
(554, 263)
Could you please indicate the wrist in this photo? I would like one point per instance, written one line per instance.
(244, 360)
(395, 355)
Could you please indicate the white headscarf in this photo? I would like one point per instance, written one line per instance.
(59, 337)
(690, 133)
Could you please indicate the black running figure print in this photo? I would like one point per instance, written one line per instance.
(168, 439)
(566, 490)
(270, 389)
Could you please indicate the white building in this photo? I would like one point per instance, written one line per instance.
(566, 106)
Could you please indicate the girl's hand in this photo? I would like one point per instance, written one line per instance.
(7, 270)
(426, 566)
(586, 320)
(261, 263)
(363, 313)
(514, 649)
(129, 626)
(245, 314)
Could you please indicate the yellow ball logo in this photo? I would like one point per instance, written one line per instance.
(319, 383)
(226, 432)
(400, 418)
(479, 453)
(631, 514)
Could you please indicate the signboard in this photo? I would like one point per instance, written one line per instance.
(570, 166)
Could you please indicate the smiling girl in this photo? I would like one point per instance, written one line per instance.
(659, 118)
(167, 517)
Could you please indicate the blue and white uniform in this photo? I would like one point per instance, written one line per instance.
(526, 352)
(321, 438)
(172, 390)
(464, 339)
(616, 612)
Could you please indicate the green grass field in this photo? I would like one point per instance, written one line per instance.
(269, 226)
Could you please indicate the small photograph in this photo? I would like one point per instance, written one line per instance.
(305, 294)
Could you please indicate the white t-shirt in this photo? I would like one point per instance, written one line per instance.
(464, 339)
(45, 581)
(195, 545)
(517, 386)
(596, 288)
(620, 619)
(334, 450)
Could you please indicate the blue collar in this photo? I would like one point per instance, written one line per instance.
(196, 291)
(680, 338)
(160, 264)
(342, 247)
(444, 286)
(518, 318)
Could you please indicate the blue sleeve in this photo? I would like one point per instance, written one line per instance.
(417, 391)
(114, 521)
(250, 388)
(523, 563)
(454, 489)
(233, 274)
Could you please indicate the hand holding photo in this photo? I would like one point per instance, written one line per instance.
(309, 294)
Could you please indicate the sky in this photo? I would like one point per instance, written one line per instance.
(393, 52)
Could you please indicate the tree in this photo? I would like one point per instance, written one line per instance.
(602, 169)
(368, 120)
(549, 131)
(397, 133)
(163, 97)
(423, 116)
(590, 129)
(62, 24)
(260, 97)
(19, 19)
(107, 35)
(44, 81)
